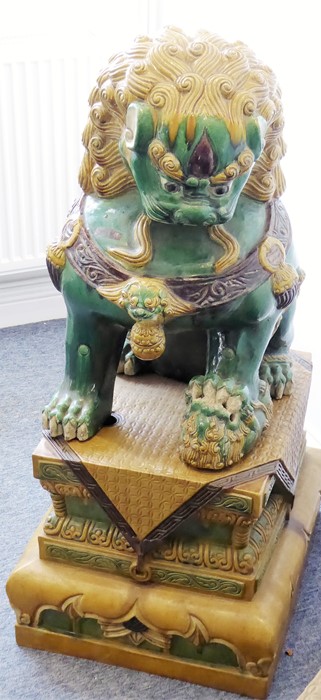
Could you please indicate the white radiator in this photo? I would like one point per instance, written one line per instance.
(43, 110)
(50, 57)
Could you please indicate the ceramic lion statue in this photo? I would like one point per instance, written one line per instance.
(178, 258)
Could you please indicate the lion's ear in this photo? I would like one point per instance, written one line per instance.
(139, 129)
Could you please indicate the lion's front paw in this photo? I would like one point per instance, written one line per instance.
(222, 422)
(276, 370)
(72, 415)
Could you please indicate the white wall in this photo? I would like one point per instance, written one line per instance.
(285, 35)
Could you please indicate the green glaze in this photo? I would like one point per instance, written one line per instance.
(177, 250)
(218, 135)
(58, 472)
(242, 504)
(86, 509)
(195, 530)
(89, 627)
(121, 567)
(93, 561)
(58, 621)
(195, 201)
(96, 331)
(214, 653)
(203, 583)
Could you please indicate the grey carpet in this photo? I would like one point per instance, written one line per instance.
(32, 359)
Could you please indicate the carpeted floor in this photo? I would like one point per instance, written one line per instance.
(32, 359)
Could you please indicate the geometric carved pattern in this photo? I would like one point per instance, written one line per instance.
(59, 473)
(242, 504)
(143, 507)
(212, 556)
(152, 574)
(181, 561)
(76, 490)
(79, 530)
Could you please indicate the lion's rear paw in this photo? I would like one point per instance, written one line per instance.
(276, 370)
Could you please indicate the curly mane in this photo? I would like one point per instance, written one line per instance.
(179, 75)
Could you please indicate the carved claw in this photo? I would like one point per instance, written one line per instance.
(45, 421)
(70, 431)
(83, 432)
(276, 370)
(55, 427)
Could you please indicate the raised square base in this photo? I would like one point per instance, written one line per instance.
(182, 634)
(132, 470)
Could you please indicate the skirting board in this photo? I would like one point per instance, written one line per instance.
(28, 296)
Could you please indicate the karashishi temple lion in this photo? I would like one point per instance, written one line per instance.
(178, 257)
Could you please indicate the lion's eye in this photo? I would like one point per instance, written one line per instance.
(219, 190)
(171, 187)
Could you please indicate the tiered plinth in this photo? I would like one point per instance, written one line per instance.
(148, 564)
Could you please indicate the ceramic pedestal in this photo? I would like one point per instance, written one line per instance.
(146, 563)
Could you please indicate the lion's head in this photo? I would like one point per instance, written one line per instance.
(191, 122)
